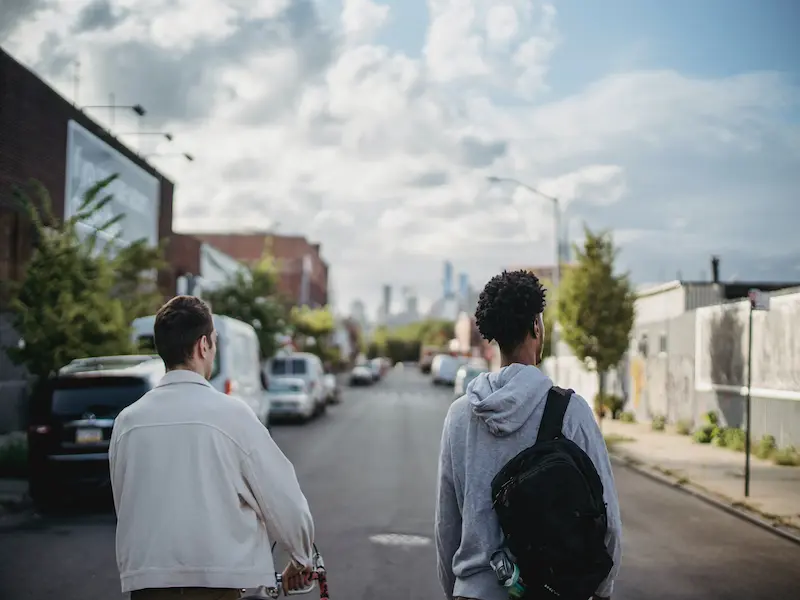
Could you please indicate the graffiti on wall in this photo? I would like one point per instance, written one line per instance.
(722, 342)
(638, 380)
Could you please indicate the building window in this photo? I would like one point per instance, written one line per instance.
(662, 343)
(643, 345)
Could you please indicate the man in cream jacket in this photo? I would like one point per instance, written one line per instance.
(200, 488)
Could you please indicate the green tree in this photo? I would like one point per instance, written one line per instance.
(136, 268)
(64, 308)
(252, 297)
(312, 328)
(595, 308)
(550, 317)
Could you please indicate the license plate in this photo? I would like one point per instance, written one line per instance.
(88, 436)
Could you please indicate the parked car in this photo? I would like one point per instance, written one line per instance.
(464, 375)
(71, 417)
(362, 374)
(332, 391)
(237, 365)
(305, 366)
(444, 369)
(376, 365)
(291, 397)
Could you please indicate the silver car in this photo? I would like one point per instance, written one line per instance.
(290, 397)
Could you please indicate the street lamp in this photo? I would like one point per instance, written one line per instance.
(137, 108)
(166, 134)
(185, 155)
(557, 227)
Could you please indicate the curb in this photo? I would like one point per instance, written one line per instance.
(743, 514)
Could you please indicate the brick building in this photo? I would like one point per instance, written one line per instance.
(291, 252)
(45, 137)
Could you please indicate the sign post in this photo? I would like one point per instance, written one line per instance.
(758, 301)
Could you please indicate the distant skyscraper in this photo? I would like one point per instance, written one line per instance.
(463, 287)
(387, 300)
(447, 283)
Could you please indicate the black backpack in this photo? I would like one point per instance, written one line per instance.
(549, 500)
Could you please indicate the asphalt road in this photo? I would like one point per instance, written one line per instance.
(368, 468)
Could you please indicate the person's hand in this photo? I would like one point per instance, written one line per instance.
(296, 577)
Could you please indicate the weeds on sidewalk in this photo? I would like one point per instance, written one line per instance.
(612, 439)
(659, 423)
(627, 417)
(14, 455)
(683, 427)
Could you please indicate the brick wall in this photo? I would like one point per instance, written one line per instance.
(289, 251)
(33, 144)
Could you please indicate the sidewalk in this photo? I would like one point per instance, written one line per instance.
(713, 471)
(13, 495)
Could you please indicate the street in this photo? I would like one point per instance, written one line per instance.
(368, 468)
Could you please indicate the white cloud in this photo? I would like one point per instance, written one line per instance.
(383, 157)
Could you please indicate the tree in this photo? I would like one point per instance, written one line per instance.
(136, 269)
(595, 308)
(312, 328)
(549, 317)
(252, 297)
(64, 308)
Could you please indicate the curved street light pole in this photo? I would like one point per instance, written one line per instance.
(557, 271)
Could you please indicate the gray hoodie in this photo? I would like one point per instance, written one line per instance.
(497, 418)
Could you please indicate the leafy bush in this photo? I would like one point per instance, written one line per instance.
(733, 438)
(659, 423)
(711, 418)
(765, 447)
(704, 434)
(13, 455)
(611, 403)
(683, 427)
(627, 417)
(787, 457)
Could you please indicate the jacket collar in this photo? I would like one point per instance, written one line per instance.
(182, 376)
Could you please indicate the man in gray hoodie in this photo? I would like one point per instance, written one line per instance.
(497, 418)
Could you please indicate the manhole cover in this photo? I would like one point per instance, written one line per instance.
(399, 539)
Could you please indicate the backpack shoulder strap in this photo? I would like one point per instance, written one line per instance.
(553, 418)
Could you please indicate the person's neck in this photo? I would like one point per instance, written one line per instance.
(520, 358)
(189, 368)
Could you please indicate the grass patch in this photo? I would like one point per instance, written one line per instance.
(683, 427)
(612, 439)
(627, 417)
(765, 447)
(659, 423)
(14, 455)
(787, 457)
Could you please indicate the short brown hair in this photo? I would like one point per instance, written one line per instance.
(179, 324)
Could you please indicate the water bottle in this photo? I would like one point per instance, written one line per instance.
(507, 574)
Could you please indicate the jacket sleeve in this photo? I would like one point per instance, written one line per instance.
(585, 432)
(448, 517)
(283, 507)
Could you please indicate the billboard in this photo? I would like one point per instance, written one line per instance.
(136, 193)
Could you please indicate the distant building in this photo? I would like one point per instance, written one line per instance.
(303, 272)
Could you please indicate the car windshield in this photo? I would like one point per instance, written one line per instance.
(102, 397)
(285, 387)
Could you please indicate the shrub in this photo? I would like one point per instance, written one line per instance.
(765, 447)
(611, 403)
(787, 457)
(659, 423)
(627, 417)
(683, 427)
(733, 438)
(711, 418)
(704, 434)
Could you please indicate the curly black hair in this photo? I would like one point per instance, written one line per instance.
(508, 307)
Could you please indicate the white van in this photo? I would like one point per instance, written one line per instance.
(237, 366)
(305, 366)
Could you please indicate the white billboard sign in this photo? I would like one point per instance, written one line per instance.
(136, 193)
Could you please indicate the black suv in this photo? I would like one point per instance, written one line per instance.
(71, 418)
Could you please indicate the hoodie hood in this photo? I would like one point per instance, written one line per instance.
(505, 399)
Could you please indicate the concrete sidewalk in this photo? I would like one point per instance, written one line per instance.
(717, 472)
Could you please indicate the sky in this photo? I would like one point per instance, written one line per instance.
(372, 127)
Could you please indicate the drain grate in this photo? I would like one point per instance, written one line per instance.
(399, 539)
